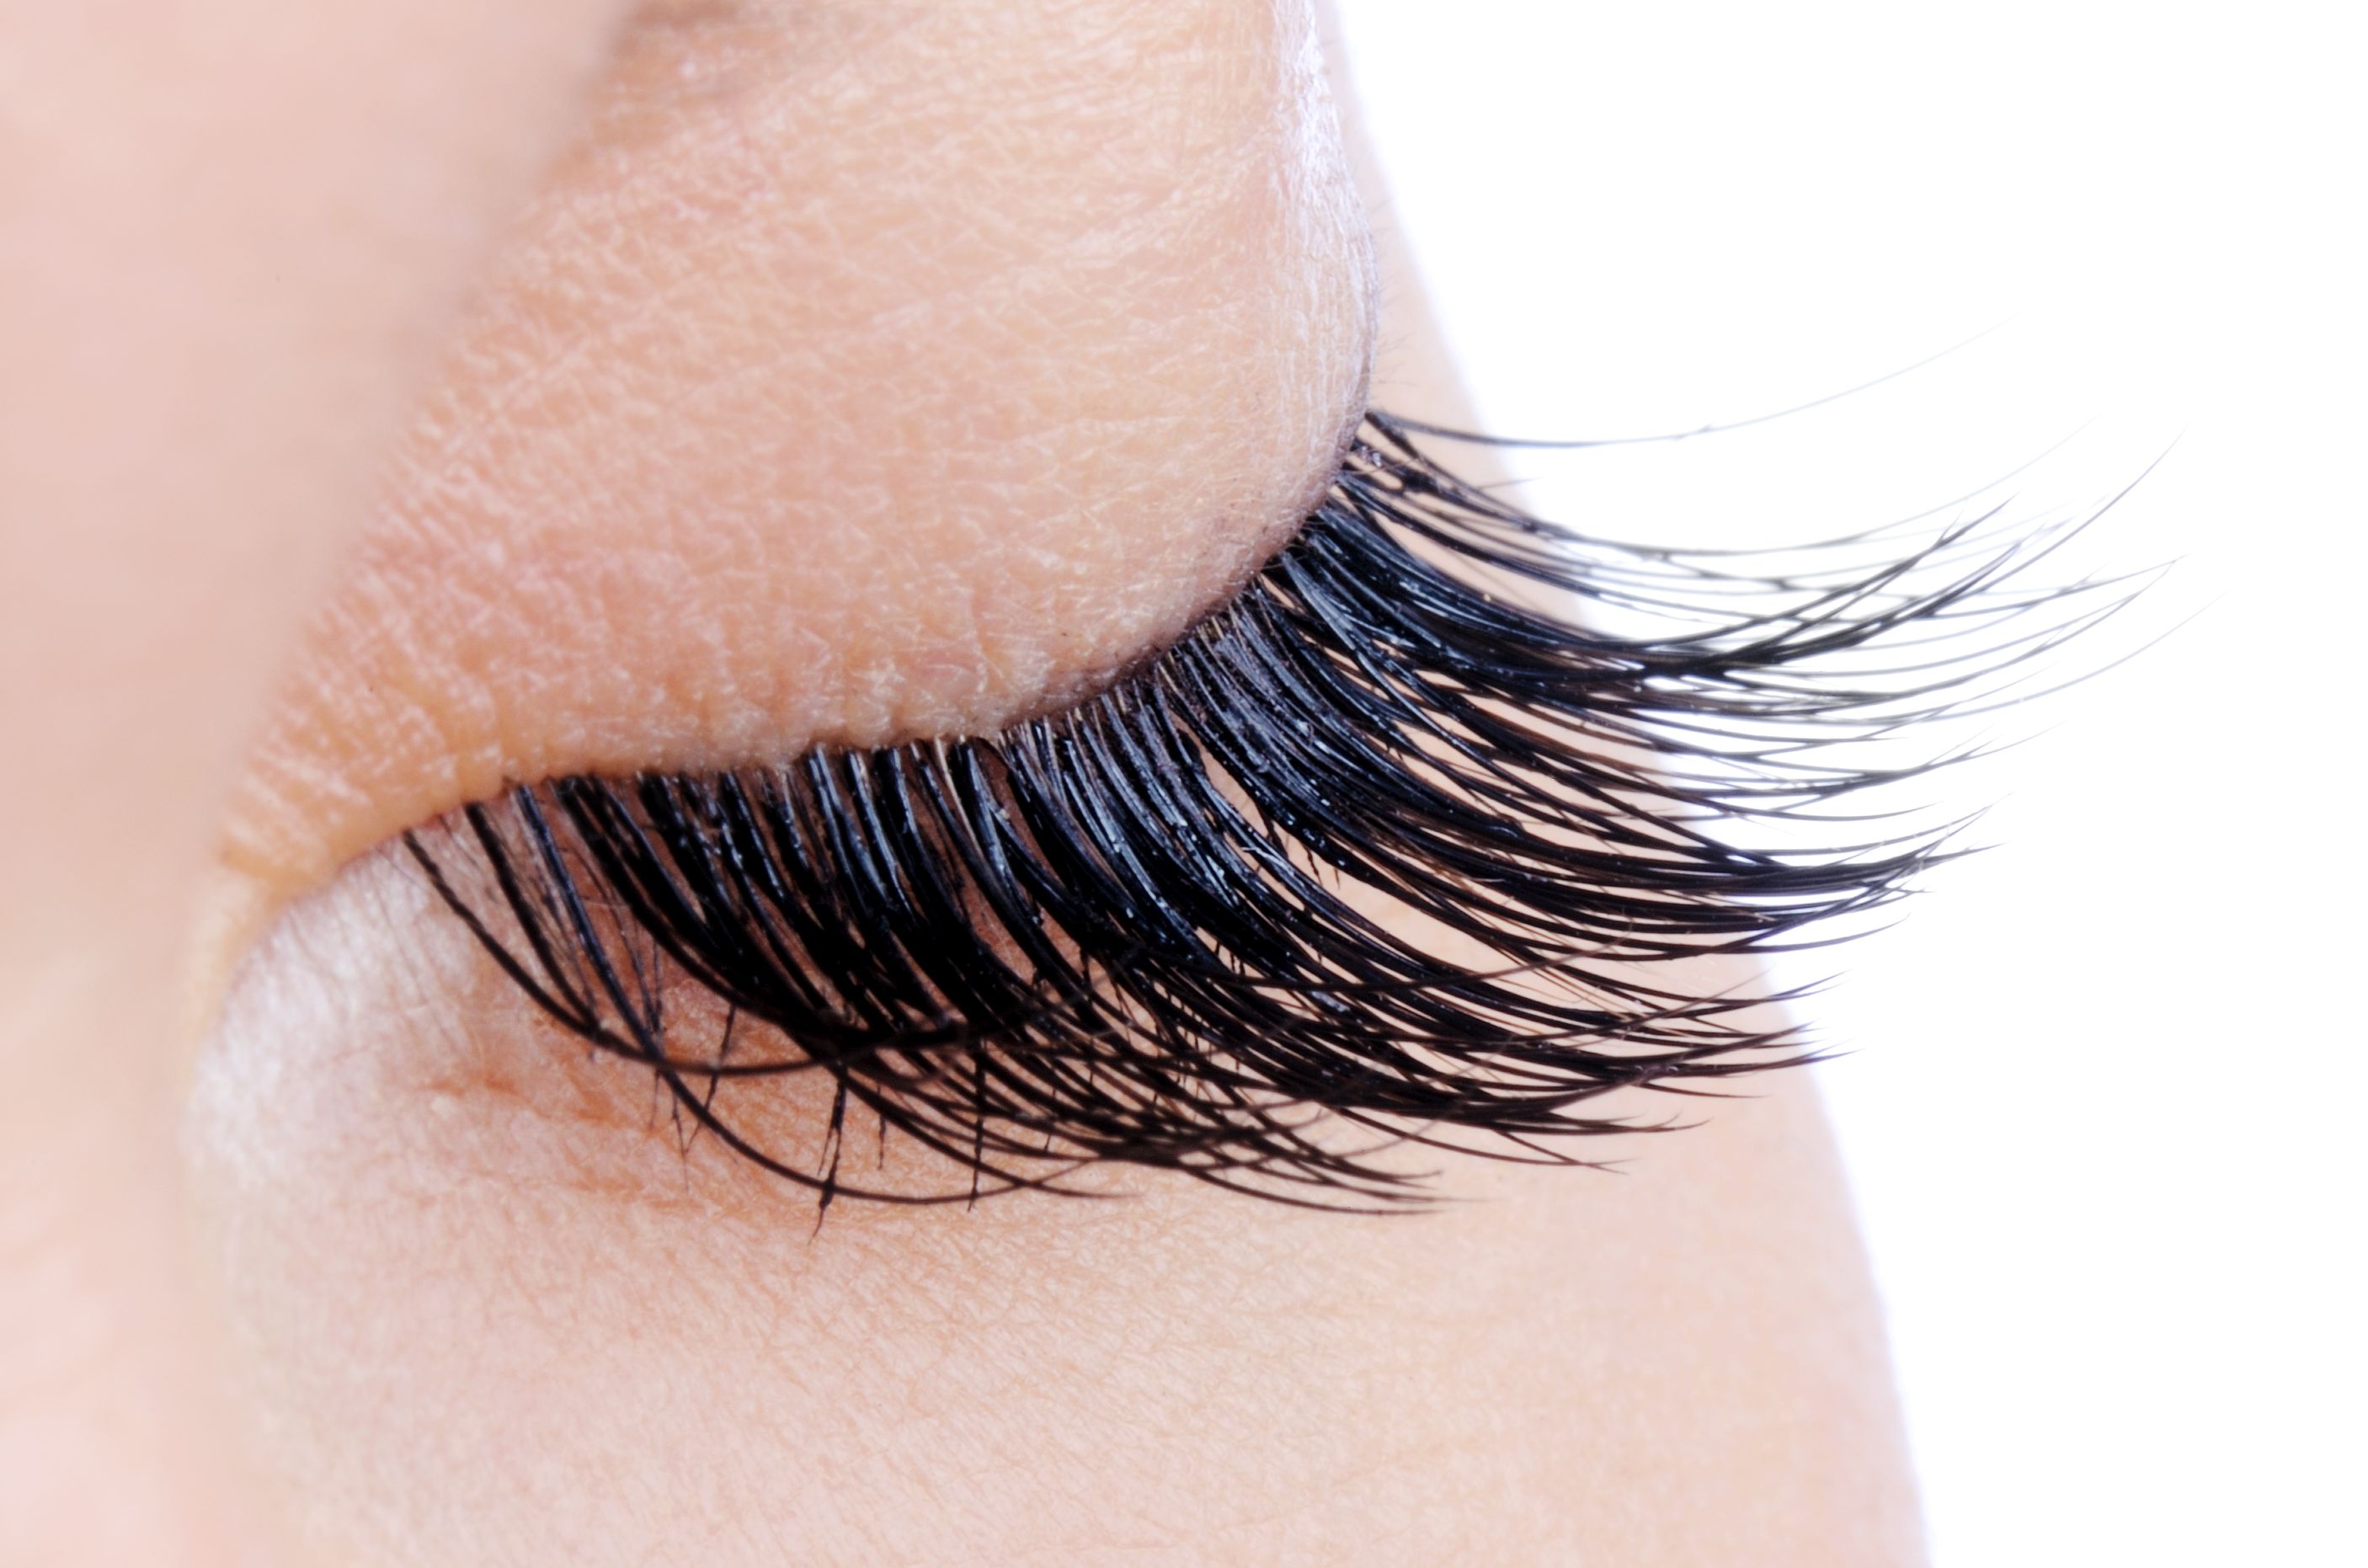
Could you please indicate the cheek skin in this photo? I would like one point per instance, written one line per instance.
(865, 373)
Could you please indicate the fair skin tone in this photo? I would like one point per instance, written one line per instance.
(823, 372)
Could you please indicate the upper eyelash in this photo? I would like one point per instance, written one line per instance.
(1118, 932)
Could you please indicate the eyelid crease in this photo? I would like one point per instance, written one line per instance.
(1380, 856)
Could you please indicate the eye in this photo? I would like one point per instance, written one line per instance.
(1396, 850)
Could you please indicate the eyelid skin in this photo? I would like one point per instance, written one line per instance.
(865, 373)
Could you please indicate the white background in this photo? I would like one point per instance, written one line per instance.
(2104, 1114)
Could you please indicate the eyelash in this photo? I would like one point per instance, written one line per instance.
(1119, 932)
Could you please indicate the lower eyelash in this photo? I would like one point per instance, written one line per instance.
(1145, 929)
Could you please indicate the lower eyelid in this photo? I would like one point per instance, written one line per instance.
(379, 1041)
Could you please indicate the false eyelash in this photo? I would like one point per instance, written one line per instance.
(1384, 852)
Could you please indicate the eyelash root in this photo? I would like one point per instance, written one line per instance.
(1392, 850)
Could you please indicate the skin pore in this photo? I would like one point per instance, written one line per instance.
(857, 372)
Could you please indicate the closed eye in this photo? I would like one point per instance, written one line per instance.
(1390, 851)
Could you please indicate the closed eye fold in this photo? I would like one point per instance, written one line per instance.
(1392, 850)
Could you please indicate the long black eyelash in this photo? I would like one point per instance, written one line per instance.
(1385, 851)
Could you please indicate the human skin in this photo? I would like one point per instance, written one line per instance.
(220, 267)
(842, 377)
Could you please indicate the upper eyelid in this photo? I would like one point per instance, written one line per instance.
(848, 486)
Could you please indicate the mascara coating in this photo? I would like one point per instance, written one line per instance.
(1380, 855)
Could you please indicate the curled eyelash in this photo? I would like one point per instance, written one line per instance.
(1391, 850)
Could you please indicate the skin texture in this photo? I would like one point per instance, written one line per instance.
(825, 392)
(1097, 267)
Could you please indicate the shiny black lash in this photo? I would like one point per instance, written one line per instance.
(1393, 849)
